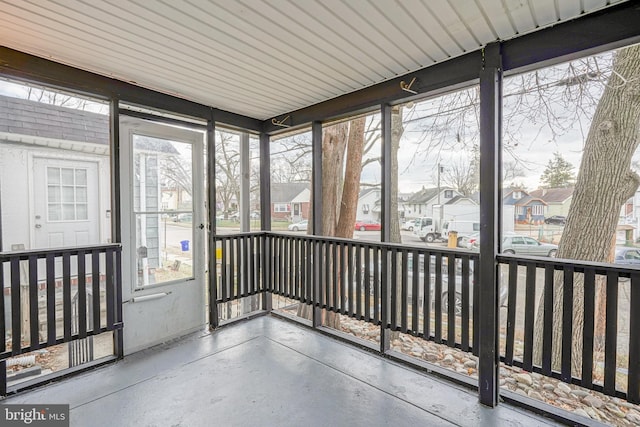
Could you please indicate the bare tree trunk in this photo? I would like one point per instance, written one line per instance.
(397, 129)
(334, 144)
(352, 171)
(605, 181)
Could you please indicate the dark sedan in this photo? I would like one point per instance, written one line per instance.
(556, 220)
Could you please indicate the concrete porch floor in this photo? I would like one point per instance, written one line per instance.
(267, 372)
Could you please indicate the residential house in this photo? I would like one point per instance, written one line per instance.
(527, 209)
(422, 202)
(558, 200)
(54, 173)
(369, 204)
(290, 201)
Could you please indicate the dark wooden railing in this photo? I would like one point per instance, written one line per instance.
(429, 292)
(38, 288)
(544, 274)
(353, 278)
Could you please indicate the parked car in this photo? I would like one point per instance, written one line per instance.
(524, 245)
(367, 225)
(472, 241)
(556, 220)
(408, 225)
(183, 217)
(627, 256)
(299, 226)
(515, 244)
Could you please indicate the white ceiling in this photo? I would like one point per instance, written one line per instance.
(263, 58)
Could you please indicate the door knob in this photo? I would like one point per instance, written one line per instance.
(38, 225)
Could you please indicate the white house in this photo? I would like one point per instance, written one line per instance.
(54, 173)
(422, 202)
(369, 204)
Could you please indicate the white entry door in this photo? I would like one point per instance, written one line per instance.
(162, 232)
(66, 203)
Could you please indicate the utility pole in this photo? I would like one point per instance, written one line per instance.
(440, 170)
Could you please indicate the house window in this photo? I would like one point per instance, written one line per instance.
(517, 195)
(448, 194)
(67, 194)
(537, 209)
(281, 207)
(365, 208)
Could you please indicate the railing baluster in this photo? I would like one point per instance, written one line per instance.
(476, 307)
(376, 284)
(286, 244)
(367, 283)
(248, 259)
(295, 268)
(336, 271)
(239, 279)
(547, 328)
(66, 295)
(359, 282)
(393, 306)
(404, 292)
(415, 292)
(312, 278)
(611, 333)
(82, 295)
(451, 301)
(633, 385)
(51, 299)
(438, 299)
(223, 270)
(511, 311)
(567, 324)
(588, 327)
(384, 292)
(34, 323)
(16, 315)
(464, 320)
(319, 284)
(3, 325)
(341, 262)
(109, 288)
(350, 279)
(306, 267)
(95, 285)
(305, 271)
(426, 299)
(529, 316)
(327, 284)
(279, 259)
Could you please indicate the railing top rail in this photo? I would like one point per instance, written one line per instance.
(331, 239)
(579, 266)
(42, 253)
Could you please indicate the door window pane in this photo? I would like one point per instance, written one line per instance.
(163, 205)
(67, 194)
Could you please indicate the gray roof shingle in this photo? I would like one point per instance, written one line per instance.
(26, 117)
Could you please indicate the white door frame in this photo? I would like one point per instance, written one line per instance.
(160, 312)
